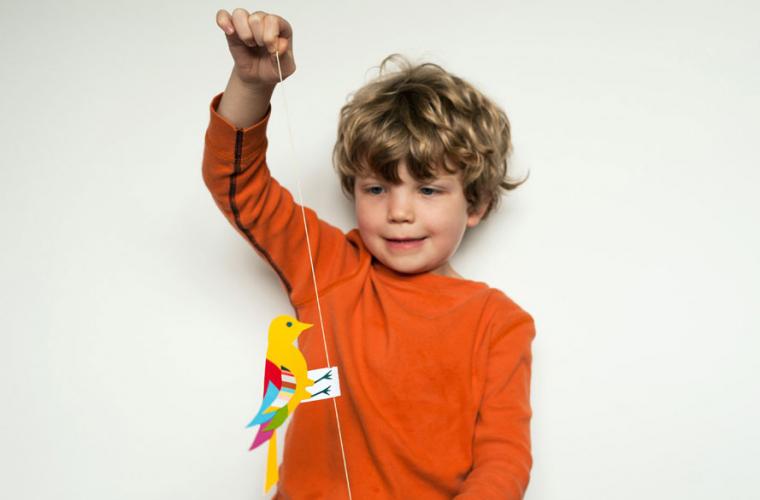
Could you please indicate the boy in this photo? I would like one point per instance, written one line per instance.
(435, 368)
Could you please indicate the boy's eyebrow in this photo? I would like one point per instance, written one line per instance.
(366, 179)
(446, 178)
(447, 181)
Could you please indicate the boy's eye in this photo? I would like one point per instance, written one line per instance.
(425, 190)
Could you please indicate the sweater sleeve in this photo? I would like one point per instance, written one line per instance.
(502, 445)
(236, 173)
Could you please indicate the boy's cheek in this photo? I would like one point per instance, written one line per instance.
(366, 231)
(364, 215)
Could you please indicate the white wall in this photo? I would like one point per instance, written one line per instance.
(133, 315)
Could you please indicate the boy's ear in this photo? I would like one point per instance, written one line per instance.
(474, 217)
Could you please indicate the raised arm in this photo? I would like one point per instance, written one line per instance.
(235, 169)
(265, 214)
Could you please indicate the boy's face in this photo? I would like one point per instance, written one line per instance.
(431, 217)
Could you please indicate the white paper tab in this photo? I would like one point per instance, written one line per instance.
(326, 384)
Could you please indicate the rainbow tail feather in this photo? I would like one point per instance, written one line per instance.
(261, 437)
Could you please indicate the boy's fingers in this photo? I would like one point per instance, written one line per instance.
(240, 22)
(275, 28)
(286, 31)
(256, 23)
(257, 29)
(271, 29)
(224, 21)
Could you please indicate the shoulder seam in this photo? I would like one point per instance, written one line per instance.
(329, 287)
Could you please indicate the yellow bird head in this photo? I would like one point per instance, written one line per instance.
(286, 329)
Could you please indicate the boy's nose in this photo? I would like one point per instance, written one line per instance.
(400, 209)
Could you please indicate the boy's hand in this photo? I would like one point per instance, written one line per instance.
(253, 39)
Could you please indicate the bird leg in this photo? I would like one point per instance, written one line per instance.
(326, 376)
(326, 390)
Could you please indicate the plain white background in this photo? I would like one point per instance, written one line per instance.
(133, 315)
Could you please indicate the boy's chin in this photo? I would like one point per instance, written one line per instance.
(405, 269)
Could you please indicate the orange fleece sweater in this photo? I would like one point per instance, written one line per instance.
(435, 371)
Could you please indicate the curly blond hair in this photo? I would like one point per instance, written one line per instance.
(431, 119)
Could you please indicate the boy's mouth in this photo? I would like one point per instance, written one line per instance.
(404, 244)
(405, 240)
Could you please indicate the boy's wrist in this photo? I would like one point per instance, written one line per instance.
(257, 87)
(244, 103)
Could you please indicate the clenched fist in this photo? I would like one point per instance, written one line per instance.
(253, 40)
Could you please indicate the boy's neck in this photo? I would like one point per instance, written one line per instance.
(447, 270)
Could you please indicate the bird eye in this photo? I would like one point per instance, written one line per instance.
(290, 323)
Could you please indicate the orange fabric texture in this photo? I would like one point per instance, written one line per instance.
(435, 371)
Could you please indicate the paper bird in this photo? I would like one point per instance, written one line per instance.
(285, 382)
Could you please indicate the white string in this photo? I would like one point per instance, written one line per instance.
(311, 263)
